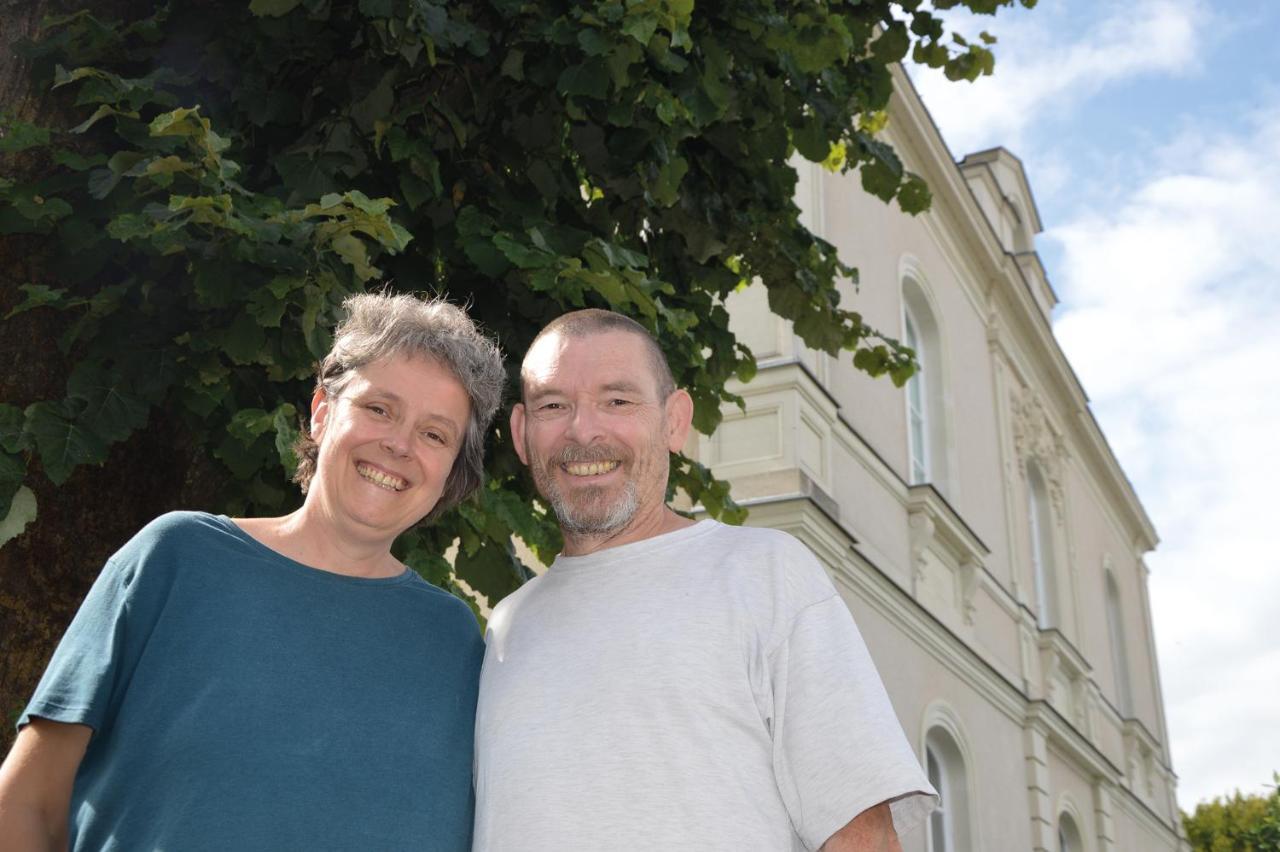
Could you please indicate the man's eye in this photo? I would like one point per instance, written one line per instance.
(377, 409)
(551, 406)
(616, 403)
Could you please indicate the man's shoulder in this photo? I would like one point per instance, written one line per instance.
(773, 546)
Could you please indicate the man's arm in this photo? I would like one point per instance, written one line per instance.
(35, 785)
(870, 831)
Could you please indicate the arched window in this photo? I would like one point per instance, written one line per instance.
(917, 411)
(1068, 835)
(926, 433)
(1040, 516)
(1119, 657)
(949, 823)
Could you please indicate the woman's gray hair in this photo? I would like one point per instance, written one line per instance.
(380, 325)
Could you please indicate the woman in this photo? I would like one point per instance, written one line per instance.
(283, 683)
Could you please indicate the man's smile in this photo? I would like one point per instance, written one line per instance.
(595, 468)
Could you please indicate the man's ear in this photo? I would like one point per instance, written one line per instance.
(320, 404)
(679, 419)
(517, 430)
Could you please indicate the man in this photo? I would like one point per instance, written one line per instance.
(669, 684)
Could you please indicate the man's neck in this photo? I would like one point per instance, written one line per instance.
(656, 524)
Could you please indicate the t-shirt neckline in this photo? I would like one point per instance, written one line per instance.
(644, 548)
(311, 571)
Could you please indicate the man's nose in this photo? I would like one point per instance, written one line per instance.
(585, 424)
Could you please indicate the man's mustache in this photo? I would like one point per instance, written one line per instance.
(576, 453)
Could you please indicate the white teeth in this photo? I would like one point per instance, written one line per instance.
(382, 480)
(589, 468)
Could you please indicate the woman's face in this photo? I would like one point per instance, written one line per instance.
(387, 443)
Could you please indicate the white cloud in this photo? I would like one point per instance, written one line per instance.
(1169, 317)
(1166, 253)
(1043, 71)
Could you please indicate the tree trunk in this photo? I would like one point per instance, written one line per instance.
(46, 571)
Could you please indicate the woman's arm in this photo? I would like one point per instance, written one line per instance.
(35, 785)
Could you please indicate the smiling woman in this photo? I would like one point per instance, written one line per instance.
(268, 683)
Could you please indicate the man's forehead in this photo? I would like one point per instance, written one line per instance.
(608, 356)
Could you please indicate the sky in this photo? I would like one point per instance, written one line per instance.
(1150, 134)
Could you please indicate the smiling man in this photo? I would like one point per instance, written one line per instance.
(669, 684)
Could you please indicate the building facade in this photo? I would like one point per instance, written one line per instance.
(976, 522)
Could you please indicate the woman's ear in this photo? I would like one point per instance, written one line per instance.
(320, 404)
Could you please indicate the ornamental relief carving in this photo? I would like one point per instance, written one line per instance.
(1036, 438)
(922, 528)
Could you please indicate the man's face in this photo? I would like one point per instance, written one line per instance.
(594, 432)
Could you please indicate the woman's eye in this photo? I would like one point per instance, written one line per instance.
(377, 409)
(436, 438)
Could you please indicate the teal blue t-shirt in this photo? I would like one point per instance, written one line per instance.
(244, 701)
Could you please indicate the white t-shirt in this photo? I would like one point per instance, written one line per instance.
(704, 689)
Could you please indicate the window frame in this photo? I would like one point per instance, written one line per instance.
(1043, 564)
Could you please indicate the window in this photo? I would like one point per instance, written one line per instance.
(926, 432)
(917, 417)
(1068, 834)
(1041, 521)
(1119, 659)
(940, 831)
(949, 823)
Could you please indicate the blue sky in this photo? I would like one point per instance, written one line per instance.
(1150, 132)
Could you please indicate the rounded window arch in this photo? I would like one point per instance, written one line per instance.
(1040, 521)
(946, 759)
(1069, 838)
(927, 457)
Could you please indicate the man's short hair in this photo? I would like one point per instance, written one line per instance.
(577, 324)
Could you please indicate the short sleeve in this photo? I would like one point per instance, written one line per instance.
(838, 747)
(78, 684)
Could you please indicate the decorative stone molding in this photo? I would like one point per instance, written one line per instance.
(1140, 764)
(1103, 815)
(1065, 677)
(1036, 438)
(940, 537)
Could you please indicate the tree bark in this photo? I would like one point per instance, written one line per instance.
(46, 571)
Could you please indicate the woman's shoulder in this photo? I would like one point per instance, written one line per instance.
(182, 522)
(442, 603)
(171, 532)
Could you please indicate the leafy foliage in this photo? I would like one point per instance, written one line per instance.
(239, 169)
(1236, 824)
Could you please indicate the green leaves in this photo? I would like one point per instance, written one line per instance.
(589, 79)
(272, 8)
(213, 214)
(17, 135)
(109, 405)
(63, 438)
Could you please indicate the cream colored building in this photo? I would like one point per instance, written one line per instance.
(977, 523)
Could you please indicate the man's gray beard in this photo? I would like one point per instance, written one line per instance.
(592, 524)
